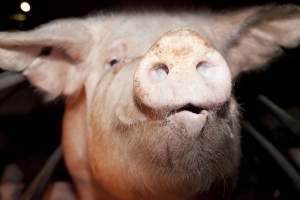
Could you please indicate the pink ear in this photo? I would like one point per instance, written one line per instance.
(56, 74)
(262, 35)
(51, 56)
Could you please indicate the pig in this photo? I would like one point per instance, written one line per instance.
(150, 112)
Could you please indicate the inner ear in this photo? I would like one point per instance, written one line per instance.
(263, 36)
(51, 56)
(52, 52)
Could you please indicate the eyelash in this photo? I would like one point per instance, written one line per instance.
(46, 51)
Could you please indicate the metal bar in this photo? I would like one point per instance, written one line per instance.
(291, 123)
(9, 79)
(290, 171)
(38, 186)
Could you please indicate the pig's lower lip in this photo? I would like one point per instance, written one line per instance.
(192, 122)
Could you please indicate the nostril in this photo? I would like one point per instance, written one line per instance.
(159, 72)
(205, 68)
(200, 65)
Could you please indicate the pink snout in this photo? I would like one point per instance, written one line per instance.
(181, 72)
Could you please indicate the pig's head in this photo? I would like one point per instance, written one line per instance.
(161, 119)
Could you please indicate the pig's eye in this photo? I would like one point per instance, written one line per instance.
(113, 62)
(46, 51)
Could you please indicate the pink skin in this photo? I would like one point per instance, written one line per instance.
(155, 135)
(150, 114)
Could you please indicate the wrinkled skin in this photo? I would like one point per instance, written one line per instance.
(150, 112)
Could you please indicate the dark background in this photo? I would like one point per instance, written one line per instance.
(46, 10)
(30, 128)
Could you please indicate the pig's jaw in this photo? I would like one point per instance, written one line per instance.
(185, 152)
(183, 130)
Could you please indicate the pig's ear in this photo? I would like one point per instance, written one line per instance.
(262, 36)
(51, 56)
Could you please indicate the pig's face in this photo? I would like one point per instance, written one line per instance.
(158, 120)
(167, 112)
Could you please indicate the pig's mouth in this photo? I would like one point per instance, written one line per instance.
(194, 117)
(198, 109)
(189, 108)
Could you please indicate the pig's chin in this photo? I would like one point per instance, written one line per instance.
(191, 123)
(188, 148)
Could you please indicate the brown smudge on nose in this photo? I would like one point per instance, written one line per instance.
(205, 41)
(182, 51)
(157, 49)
